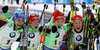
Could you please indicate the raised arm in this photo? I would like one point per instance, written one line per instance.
(5, 12)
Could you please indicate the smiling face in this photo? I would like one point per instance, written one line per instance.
(34, 24)
(18, 22)
(59, 23)
(77, 25)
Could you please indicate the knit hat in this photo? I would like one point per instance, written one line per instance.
(57, 15)
(77, 17)
(33, 17)
(18, 15)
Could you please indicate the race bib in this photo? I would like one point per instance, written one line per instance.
(7, 41)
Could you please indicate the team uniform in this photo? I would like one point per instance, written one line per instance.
(33, 39)
(54, 40)
(33, 35)
(8, 33)
(75, 38)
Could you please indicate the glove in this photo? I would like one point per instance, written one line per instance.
(5, 9)
(40, 29)
(48, 30)
(82, 45)
(54, 29)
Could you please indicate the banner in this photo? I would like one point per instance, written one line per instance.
(59, 1)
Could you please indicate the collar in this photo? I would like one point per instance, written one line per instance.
(11, 25)
(51, 24)
(32, 30)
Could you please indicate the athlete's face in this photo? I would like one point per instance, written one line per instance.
(34, 24)
(18, 22)
(59, 23)
(77, 25)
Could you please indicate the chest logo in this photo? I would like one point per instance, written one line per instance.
(79, 38)
(12, 34)
(31, 35)
(57, 34)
